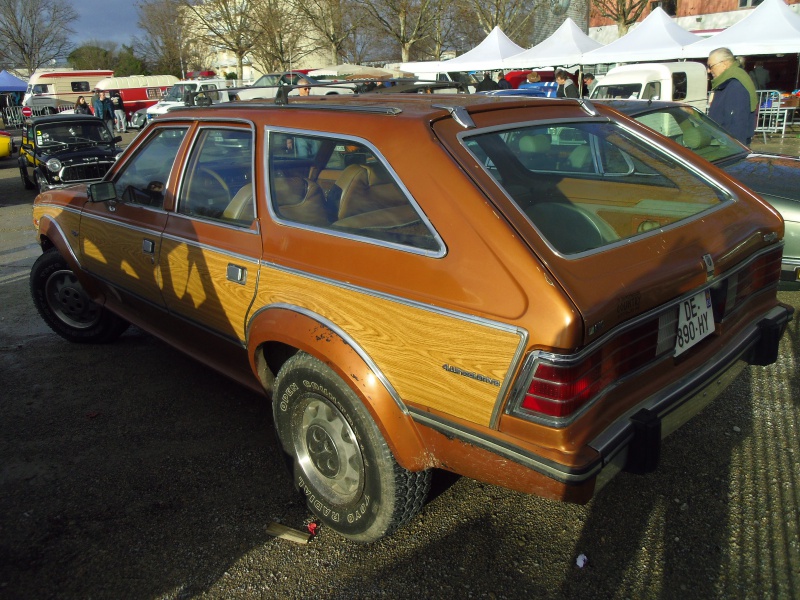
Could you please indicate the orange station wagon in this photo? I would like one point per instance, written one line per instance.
(529, 292)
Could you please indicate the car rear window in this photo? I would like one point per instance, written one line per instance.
(587, 185)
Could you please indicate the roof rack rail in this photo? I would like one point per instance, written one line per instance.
(460, 115)
(281, 100)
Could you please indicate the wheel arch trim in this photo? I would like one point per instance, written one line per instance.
(308, 331)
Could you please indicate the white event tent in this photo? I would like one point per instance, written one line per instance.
(487, 55)
(564, 47)
(771, 28)
(656, 38)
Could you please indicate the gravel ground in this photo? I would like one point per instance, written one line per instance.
(130, 471)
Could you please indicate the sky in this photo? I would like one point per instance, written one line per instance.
(105, 20)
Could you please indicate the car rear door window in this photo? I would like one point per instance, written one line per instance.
(343, 187)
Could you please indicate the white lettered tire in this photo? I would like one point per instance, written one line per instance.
(342, 464)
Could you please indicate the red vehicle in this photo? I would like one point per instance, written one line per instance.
(137, 91)
(517, 78)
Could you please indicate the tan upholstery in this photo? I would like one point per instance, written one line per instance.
(308, 208)
(364, 188)
(580, 159)
(240, 208)
(534, 151)
(695, 138)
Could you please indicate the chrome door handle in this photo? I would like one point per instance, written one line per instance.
(237, 274)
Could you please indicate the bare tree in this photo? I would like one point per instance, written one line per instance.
(284, 36)
(406, 21)
(166, 47)
(35, 32)
(334, 22)
(226, 24)
(623, 12)
(513, 17)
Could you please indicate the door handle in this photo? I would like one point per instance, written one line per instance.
(148, 246)
(237, 274)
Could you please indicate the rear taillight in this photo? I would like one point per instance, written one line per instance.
(732, 292)
(559, 389)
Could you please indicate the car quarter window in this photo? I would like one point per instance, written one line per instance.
(218, 181)
(343, 187)
(142, 179)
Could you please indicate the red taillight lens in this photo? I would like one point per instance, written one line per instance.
(560, 390)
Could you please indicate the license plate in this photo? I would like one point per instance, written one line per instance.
(695, 321)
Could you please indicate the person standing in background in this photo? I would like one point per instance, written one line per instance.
(104, 109)
(119, 113)
(566, 87)
(733, 100)
(760, 76)
(81, 108)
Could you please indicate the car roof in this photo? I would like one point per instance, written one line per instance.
(414, 106)
(61, 118)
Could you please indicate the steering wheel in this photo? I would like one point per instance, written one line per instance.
(216, 177)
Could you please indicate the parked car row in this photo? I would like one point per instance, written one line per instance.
(525, 291)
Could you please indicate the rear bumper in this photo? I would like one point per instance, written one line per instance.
(633, 442)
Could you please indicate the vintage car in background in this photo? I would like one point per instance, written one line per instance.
(296, 84)
(61, 150)
(7, 145)
(524, 291)
(138, 119)
(774, 177)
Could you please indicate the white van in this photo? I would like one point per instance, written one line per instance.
(214, 89)
(679, 81)
(58, 89)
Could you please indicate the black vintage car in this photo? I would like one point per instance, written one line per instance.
(60, 150)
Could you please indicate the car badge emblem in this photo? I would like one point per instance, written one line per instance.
(709, 262)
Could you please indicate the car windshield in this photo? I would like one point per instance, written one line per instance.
(692, 129)
(586, 185)
(275, 79)
(178, 91)
(61, 134)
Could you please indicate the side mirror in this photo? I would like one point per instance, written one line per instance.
(102, 191)
(117, 139)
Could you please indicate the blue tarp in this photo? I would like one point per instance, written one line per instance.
(9, 83)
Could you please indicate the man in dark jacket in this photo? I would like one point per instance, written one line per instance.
(104, 108)
(487, 84)
(566, 87)
(502, 82)
(733, 99)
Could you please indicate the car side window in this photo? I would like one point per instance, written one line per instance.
(143, 178)
(218, 182)
(342, 186)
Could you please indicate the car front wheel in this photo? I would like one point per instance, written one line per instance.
(341, 462)
(66, 307)
(26, 183)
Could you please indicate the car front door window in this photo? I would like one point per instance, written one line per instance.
(144, 177)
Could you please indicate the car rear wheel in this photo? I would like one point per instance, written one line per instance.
(26, 183)
(341, 462)
(66, 307)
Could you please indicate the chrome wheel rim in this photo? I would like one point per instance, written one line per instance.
(328, 452)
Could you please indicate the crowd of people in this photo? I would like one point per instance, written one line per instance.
(732, 101)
